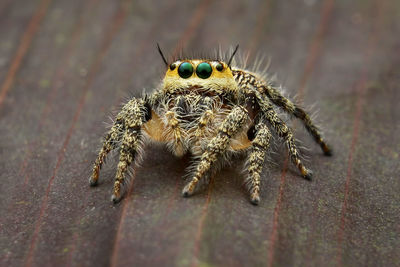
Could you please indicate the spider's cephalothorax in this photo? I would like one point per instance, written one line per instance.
(210, 109)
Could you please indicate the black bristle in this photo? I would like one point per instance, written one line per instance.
(233, 54)
(162, 55)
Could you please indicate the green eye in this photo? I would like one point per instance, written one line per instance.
(185, 70)
(204, 70)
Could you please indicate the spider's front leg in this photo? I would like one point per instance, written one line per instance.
(217, 146)
(126, 133)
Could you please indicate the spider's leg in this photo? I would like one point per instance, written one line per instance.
(217, 146)
(255, 160)
(278, 99)
(109, 144)
(134, 115)
(283, 131)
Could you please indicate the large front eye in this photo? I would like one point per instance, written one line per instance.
(185, 70)
(204, 70)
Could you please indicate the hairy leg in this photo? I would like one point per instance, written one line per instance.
(283, 131)
(278, 99)
(133, 114)
(217, 146)
(109, 144)
(255, 160)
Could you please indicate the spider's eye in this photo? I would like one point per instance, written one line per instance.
(219, 67)
(204, 70)
(172, 66)
(185, 70)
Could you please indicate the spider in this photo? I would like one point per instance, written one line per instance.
(212, 110)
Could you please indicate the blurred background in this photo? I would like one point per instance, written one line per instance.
(65, 65)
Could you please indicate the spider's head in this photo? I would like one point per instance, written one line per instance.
(204, 76)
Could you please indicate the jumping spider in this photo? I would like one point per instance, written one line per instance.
(212, 110)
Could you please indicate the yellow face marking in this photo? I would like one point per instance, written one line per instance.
(219, 80)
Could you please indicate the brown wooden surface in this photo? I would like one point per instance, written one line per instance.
(64, 65)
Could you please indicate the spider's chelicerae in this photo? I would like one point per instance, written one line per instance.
(212, 110)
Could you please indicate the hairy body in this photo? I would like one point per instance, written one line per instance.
(211, 110)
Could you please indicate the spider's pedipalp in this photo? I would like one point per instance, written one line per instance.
(207, 115)
(173, 122)
(255, 160)
(217, 146)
